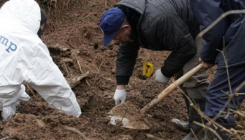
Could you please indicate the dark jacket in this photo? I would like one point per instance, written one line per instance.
(232, 28)
(163, 25)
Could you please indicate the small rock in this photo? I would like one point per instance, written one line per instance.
(40, 123)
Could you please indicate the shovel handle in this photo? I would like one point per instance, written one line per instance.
(172, 87)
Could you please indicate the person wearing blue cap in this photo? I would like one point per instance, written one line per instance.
(160, 25)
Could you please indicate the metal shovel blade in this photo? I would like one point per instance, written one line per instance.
(128, 116)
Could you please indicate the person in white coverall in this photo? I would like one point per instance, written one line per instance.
(25, 58)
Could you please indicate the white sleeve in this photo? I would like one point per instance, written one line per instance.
(44, 76)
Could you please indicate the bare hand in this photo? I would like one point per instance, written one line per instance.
(206, 65)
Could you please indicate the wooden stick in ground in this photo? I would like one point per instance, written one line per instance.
(172, 87)
(32, 92)
(5, 138)
(76, 131)
(79, 65)
(66, 68)
(153, 137)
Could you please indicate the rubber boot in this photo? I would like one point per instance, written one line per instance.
(180, 124)
(194, 116)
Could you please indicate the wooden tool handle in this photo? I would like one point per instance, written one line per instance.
(170, 88)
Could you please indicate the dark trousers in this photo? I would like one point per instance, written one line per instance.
(216, 98)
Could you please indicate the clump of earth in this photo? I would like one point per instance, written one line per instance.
(74, 40)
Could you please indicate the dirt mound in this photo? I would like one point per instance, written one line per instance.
(74, 40)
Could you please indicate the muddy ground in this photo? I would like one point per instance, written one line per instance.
(75, 43)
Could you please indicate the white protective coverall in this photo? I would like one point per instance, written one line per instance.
(25, 58)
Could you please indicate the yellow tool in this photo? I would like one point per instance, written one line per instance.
(147, 70)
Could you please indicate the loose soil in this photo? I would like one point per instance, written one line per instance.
(75, 43)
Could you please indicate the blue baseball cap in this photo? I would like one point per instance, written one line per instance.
(110, 23)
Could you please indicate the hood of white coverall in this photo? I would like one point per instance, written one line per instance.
(20, 22)
(24, 58)
(25, 12)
